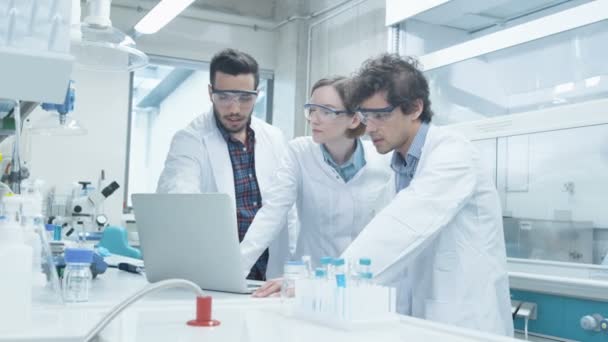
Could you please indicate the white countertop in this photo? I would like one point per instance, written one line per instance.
(163, 317)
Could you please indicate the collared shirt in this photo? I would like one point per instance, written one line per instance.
(246, 190)
(406, 168)
(349, 169)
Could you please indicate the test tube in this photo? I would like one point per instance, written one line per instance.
(340, 272)
(320, 273)
(320, 280)
(326, 265)
(365, 278)
(364, 266)
(308, 263)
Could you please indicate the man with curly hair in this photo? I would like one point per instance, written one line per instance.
(440, 239)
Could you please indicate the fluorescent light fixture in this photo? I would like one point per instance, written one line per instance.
(592, 81)
(564, 87)
(161, 15)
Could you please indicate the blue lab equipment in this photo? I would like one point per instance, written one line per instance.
(115, 240)
(67, 105)
(56, 232)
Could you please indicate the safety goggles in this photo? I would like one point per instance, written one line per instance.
(322, 112)
(225, 98)
(376, 115)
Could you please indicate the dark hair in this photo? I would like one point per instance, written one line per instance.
(342, 86)
(400, 77)
(233, 62)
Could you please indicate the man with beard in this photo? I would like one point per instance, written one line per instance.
(228, 150)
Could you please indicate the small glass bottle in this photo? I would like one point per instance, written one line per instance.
(292, 271)
(49, 229)
(77, 274)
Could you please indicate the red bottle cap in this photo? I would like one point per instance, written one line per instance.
(203, 313)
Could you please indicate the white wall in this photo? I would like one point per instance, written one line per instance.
(339, 45)
(139, 152)
(290, 66)
(343, 42)
(285, 80)
(102, 107)
(200, 40)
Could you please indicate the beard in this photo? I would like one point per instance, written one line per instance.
(229, 129)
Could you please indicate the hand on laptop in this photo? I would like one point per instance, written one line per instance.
(271, 288)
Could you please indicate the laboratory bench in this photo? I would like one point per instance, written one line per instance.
(162, 316)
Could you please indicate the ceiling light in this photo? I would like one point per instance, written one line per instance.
(161, 15)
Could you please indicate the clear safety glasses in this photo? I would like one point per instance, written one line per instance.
(225, 98)
(376, 115)
(322, 112)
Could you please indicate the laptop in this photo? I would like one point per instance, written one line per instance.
(192, 237)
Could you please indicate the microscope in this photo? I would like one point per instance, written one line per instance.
(85, 209)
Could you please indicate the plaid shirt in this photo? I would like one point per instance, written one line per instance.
(247, 191)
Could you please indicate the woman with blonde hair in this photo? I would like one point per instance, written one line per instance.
(333, 177)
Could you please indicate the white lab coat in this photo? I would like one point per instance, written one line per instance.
(441, 241)
(331, 212)
(199, 162)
